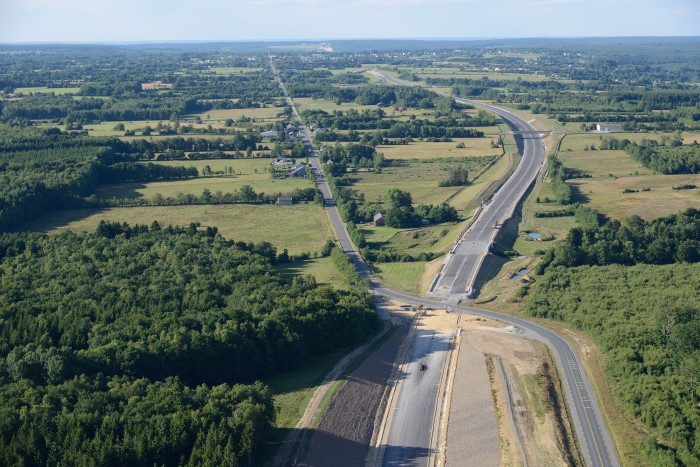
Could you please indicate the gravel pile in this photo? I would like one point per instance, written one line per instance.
(472, 430)
(345, 430)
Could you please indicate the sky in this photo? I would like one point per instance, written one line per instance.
(243, 20)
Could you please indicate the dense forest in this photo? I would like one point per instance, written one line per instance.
(646, 320)
(633, 287)
(163, 323)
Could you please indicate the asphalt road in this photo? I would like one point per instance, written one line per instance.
(409, 426)
(594, 440)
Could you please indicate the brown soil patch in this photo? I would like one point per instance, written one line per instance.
(437, 320)
(514, 350)
(344, 433)
(519, 403)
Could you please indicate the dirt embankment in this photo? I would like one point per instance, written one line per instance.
(343, 435)
(529, 405)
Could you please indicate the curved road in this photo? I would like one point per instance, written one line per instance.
(594, 440)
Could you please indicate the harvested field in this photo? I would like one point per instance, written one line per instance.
(343, 435)
(472, 430)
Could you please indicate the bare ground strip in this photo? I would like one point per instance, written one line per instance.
(472, 431)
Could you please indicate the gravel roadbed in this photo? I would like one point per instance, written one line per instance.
(472, 430)
(344, 432)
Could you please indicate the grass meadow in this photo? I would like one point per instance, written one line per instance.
(299, 228)
(420, 178)
(425, 150)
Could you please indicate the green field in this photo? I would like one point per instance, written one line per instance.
(46, 90)
(402, 277)
(614, 171)
(251, 172)
(255, 167)
(431, 239)
(419, 178)
(299, 228)
(267, 113)
(608, 198)
(233, 70)
(170, 189)
(303, 103)
(323, 269)
(425, 150)
(602, 164)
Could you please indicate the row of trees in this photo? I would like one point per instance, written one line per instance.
(246, 194)
(665, 240)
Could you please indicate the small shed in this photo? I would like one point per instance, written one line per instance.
(609, 127)
(284, 201)
(378, 219)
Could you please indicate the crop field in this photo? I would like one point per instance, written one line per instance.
(419, 178)
(299, 228)
(425, 150)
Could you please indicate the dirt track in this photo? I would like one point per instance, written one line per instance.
(343, 435)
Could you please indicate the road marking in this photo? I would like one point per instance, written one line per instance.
(589, 421)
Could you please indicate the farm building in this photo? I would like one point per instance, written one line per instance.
(609, 127)
(271, 133)
(378, 219)
(284, 201)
